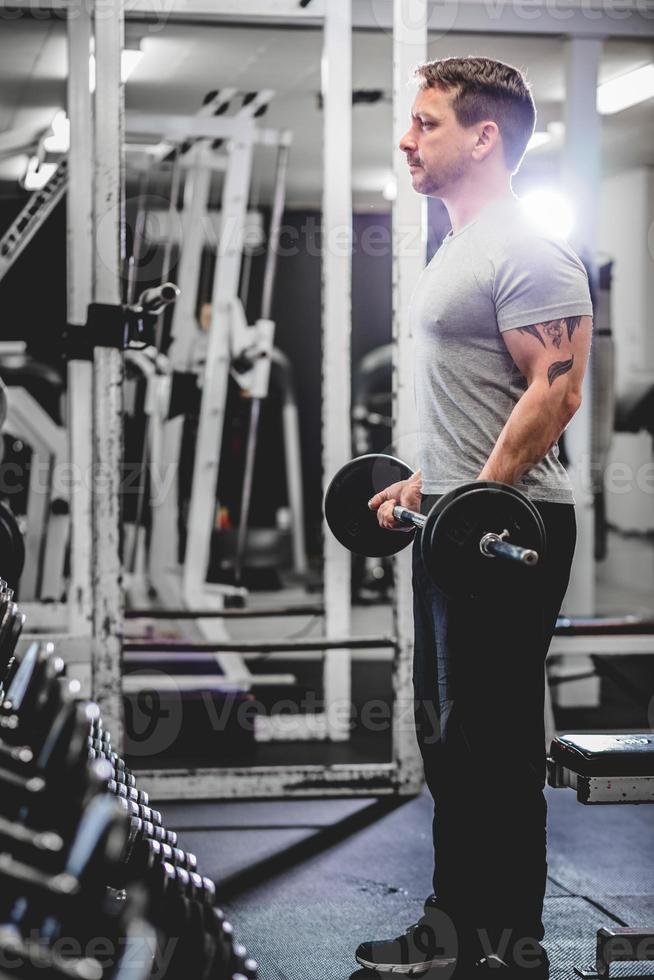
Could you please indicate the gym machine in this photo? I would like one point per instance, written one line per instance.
(179, 384)
(233, 348)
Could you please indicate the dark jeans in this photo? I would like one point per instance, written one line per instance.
(479, 684)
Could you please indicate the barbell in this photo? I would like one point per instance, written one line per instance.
(462, 534)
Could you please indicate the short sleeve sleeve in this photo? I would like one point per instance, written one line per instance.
(537, 279)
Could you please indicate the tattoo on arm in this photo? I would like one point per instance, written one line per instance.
(555, 370)
(533, 330)
(553, 329)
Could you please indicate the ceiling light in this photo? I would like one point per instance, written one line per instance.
(58, 141)
(626, 90)
(36, 177)
(550, 210)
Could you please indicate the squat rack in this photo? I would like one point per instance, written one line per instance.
(95, 607)
(96, 228)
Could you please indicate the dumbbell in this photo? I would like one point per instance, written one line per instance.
(460, 537)
(141, 812)
(123, 775)
(243, 964)
(176, 917)
(103, 752)
(196, 887)
(175, 856)
(11, 627)
(70, 896)
(100, 744)
(124, 778)
(30, 695)
(148, 853)
(145, 828)
(128, 792)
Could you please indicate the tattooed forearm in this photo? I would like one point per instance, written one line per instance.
(533, 330)
(553, 329)
(555, 370)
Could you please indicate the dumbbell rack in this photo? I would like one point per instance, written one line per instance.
(84, 858)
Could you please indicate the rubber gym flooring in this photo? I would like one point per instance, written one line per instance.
(305, 881)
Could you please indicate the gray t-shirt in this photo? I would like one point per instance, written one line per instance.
(497, 273)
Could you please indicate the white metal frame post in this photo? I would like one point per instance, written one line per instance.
(229, 253)
(409, 254)
(336, 338)
(80, 279)
(106, 671)
(580, 172)
(164, 545)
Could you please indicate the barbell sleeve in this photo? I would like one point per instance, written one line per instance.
(493, 546)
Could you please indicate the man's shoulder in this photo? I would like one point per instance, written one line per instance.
(513, 235)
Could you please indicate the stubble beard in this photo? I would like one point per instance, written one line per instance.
(435, 184)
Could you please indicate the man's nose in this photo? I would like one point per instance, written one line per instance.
(407, 143)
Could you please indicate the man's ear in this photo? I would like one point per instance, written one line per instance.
(488, 136)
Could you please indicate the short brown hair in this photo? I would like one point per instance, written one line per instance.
(486, 89)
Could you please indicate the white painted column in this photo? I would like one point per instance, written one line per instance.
(164, 543)
(580, 172)
(229, 253)
(336, 338)
(409, 253)
(79, 420)
(108, 371)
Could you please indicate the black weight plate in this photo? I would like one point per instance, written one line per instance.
(455, 526)
(12, 547)
(346, 505)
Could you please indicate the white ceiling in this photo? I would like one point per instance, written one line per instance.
(183, 62)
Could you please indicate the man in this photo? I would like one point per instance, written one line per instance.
(502, 323)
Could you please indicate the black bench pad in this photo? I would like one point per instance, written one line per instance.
(605, 754)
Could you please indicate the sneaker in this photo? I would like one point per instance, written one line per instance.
(430, 942)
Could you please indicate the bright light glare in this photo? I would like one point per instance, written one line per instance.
(59, 139)
(626, 90)
(538, 139)
(37, 177)
(550, 210)
(389, 190)
(129, 59)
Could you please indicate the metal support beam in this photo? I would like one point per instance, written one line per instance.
(80, 284)
(580, 171)
(271, 782)
(409, 253)
(31, 217)
(336, 331)
(108, 373)
(597, 18)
